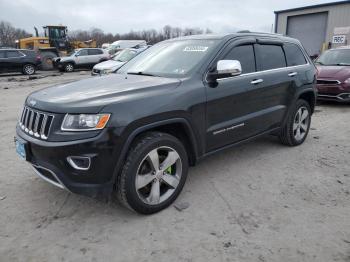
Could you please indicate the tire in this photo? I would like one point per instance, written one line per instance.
(141, 188)
(46, 60)
(28, 69)
(69, 67)
(297, 127)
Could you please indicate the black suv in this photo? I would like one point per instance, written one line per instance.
(134, 134)
(19, 60)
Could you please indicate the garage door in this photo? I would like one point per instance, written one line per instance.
(309, 29)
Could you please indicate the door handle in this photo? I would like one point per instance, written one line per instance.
(292, 74)
(257, 81)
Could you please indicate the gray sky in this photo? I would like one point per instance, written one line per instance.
(118, 16)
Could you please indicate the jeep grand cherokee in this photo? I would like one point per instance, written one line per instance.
(134, 134)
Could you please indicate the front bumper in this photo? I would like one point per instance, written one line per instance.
(49, 160)
(343, 97)
(333, 92)
(96, 72)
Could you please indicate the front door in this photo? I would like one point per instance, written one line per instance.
(227, 114)
(81, 58)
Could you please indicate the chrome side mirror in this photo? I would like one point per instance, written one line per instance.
(227, 68)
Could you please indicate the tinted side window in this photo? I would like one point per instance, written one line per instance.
(270, 57)
(95, 52)
(13, 54)
(294, 55)
(2, 54)
(83, 52)
(245, 55)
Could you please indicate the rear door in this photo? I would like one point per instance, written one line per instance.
(271, 90)
(95, 55)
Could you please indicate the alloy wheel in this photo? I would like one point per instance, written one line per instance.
(158, 175)
(301, 123)
(29, 69)
(69, 68)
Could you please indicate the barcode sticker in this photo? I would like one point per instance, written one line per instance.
(195, 48)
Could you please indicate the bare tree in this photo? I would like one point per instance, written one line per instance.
(9, 34)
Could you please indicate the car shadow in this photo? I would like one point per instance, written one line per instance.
(73, 205)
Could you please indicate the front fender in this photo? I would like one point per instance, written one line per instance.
(129, 134)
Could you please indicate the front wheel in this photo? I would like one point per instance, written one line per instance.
(154, 173)
(69, 67)
(297, 126)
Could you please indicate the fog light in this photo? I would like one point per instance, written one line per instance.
(79, 162)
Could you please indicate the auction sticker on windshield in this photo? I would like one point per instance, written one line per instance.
(195, 48)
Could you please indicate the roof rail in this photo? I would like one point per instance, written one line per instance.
(261, 33)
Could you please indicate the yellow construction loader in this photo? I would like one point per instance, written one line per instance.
(54, 43)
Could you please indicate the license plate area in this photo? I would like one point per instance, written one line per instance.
(21, 149)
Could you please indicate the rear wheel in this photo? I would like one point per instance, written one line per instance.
(297, 126)
(46, 60)
(154, 173)
(69, 67)
(28, 69)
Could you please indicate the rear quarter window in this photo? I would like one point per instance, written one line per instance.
(294, 55)
(270, 57)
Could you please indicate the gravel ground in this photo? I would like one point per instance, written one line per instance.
(257, 202)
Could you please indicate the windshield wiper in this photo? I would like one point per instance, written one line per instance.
(343, 64)
(140, 73)
(318, 62)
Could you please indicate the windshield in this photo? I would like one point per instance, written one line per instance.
(335, 57)
(124, 56)
(170, 58)
(71, 53)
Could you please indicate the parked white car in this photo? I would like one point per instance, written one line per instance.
(123, 44)
(81, 58)
(117, 61)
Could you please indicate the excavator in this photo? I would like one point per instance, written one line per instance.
(54, 43)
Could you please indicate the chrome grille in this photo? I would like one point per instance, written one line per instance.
(36, 123)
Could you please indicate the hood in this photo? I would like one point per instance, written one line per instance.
(110, 64)
(340, 73)
(92, 94)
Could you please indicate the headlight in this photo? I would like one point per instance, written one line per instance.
(84, 122)
(347, 82)
(107, 71)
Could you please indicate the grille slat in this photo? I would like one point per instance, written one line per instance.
(36, 123)
(328, 82)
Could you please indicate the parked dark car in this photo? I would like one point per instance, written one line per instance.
(333, 81)
(135, 133)
(19, 60)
